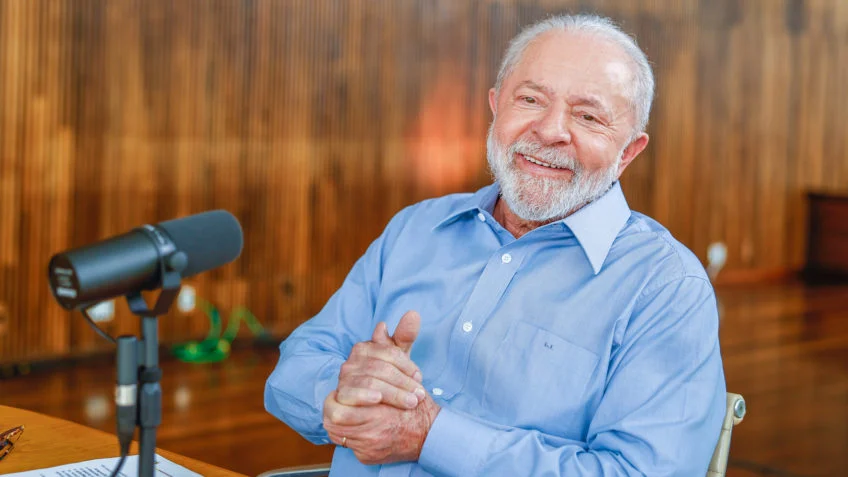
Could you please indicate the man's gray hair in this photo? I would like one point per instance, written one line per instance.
(643, 94)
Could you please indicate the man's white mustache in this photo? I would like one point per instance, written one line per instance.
(546, 154)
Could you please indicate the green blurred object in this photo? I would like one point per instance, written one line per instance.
(216, 347)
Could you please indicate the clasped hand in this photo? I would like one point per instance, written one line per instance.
(380, 410)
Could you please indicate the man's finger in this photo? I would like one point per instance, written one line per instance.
(337, 414)
(365, 352)
(367, 390)
(407, 330)
(354, 396)
(337, 439)
(381, 334)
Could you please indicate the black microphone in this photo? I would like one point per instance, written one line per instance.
(133, 261)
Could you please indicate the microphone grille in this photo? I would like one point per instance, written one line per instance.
(209, 239)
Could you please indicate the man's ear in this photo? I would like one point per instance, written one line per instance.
(637, 145)
(493, 101)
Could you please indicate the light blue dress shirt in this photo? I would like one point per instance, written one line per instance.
(587, 347)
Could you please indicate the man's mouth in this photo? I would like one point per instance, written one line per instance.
(533, 160)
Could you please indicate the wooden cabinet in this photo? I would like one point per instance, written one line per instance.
(827, 241)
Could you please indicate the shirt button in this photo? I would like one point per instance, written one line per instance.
(506, 258)
(481, 217)
(438, 391)
(467, 327)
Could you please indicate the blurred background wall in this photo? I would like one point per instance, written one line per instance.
(314, 121)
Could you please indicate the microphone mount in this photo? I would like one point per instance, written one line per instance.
(146, 353)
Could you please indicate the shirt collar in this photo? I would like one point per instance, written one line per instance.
(598, 223)
(483, 199)
(595, 226)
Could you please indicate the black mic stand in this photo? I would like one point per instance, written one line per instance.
(146, 357)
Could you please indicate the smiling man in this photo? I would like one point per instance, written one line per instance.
(538, 326)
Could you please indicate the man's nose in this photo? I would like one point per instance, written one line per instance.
(552, 128)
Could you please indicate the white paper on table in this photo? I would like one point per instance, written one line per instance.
(103, 468)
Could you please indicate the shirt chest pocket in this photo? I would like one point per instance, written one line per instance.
(538, 380)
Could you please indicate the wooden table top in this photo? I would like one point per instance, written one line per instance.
(49, 441)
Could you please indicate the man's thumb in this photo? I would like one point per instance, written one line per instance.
(407, 330)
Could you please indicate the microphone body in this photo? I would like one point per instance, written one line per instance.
(133, 261)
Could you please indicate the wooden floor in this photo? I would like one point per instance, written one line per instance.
(785, 349)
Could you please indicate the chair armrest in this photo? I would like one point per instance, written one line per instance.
(734, 413)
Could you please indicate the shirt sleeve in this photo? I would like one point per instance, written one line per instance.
(660, 414)
(311, 357)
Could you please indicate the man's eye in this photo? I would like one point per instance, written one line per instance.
(588, 117)
(528, 99)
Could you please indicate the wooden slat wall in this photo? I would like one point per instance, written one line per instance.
(314, 121)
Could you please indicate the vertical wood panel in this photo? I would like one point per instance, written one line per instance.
(314, 121)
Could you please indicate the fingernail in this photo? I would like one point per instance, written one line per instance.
(375, 396)
(417, 376)
(411, 401)
(420, 393)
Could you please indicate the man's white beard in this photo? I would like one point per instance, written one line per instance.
(541, 199)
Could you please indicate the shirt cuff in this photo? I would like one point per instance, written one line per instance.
(328, 381)
(456, 445)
